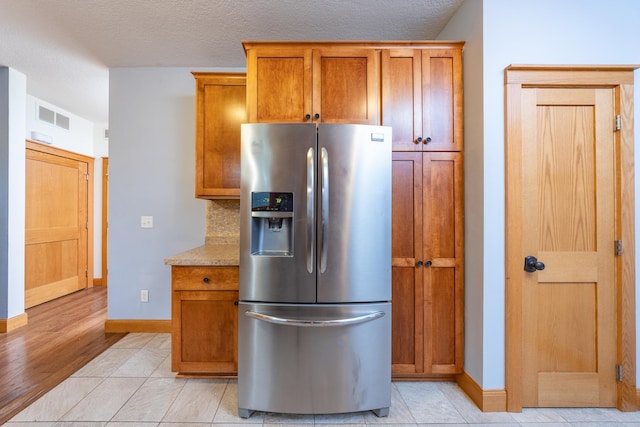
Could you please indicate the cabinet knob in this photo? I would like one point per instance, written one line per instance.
(426, 140)
(428, 264)
(307, 116)
(419, 263)
(205, 280)
(236, 302)
(418, 140)
(316, 116)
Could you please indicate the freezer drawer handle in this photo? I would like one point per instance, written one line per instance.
(315, 323)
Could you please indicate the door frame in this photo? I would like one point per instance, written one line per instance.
(619, 78)
(105, 219)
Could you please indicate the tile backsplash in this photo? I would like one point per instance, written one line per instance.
(223, 219)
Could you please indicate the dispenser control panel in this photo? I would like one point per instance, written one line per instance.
(271, 202)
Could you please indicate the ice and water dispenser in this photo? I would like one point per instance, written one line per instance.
(272, 224)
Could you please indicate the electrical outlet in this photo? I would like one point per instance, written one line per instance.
(146, 221)
(144, 295)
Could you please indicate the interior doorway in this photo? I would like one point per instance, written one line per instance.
(570, 285)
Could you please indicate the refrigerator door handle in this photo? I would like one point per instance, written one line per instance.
(315, 323)
(311, 213)
(324, 208)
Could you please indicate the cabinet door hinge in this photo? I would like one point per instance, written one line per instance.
(86, 175)
(618, 122)
(619, 373)
(86, 274)
(618, 246)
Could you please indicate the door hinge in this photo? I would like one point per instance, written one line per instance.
(619, 373)
(618, 122)
(618, 245)
(86, 225)
(86, 175)
(86, 274)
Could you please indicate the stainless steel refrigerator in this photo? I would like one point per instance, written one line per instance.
(314, 326)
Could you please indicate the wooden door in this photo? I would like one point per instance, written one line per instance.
(56, 242)
(442, 99)
(443, 256)
(407, 320)
(345, 85)
(569, 313)
(279, 85)
(402, 97)
(220, 110)
(207, 331)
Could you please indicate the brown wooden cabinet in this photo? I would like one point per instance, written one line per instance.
(220, 109)
(204, 317)
(422, 101)
(303, 82)
(422, 97)
(427, 264)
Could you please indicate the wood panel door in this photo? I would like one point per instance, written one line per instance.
(56, 235)
(220, 110)
(279, 87)
(407, 319)
(443, 255)
(570, 321)
(345, 85)
(568, 204)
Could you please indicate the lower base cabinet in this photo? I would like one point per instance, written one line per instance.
(204, 320)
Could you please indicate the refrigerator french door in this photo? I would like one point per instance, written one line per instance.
(315, 269)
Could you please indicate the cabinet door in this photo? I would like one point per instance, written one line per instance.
(442, 99)
(443, 227)
(345, 85)
(205, 330)
(402, 97)
(407, 277)
(220, 109)
(279, 84)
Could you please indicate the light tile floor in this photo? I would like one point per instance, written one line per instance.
(131, 384)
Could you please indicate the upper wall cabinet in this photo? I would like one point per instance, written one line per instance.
(312, 82)
(220, 109)
(422, 97)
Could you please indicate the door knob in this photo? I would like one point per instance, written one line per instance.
(532, 264)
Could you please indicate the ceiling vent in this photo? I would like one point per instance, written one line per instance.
(52, 117)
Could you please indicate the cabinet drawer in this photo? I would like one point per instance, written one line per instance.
(189, 278)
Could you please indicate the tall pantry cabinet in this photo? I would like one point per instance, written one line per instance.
(422, 101)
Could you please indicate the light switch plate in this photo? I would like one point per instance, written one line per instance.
(146, 221)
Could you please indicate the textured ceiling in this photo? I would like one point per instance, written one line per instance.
(65, 47)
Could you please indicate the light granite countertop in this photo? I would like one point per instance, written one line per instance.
(215, 251)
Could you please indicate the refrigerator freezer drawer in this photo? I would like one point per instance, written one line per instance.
(314, 358)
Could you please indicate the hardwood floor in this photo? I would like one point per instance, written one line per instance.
(61, 336)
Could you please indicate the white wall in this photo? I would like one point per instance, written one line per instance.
(151, 172)
(13, 86)
(467, 25)
(525, 32)
(78, 139)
